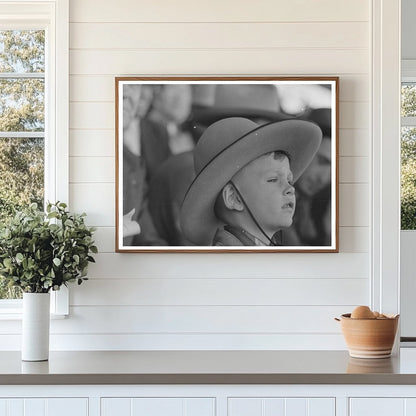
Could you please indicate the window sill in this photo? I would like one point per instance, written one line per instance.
(17, 316)
(11, 309)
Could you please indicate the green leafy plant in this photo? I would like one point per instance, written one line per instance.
(42, 251)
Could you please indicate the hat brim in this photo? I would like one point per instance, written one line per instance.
(299, 139)
(208, 115)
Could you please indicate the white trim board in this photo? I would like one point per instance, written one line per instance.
(385, 290)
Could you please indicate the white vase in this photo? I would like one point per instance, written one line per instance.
(35, 326)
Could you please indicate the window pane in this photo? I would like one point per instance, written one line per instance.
(408, 178)
(21, 182)
(22, 51)
(22, 105)
(22, 109)
(9, 292)
(21, 173)
(408, 100)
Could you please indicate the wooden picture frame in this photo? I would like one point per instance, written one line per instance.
(227, 164)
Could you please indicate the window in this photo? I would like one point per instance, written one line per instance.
(33, 111)
(408, 152)
(22, 124)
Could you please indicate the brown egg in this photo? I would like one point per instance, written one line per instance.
(362, 312)
(376, 314)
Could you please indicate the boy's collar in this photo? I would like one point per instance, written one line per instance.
(244, 236)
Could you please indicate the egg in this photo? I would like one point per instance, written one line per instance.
(362, 312)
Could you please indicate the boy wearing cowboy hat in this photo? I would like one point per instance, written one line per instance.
(243, 190)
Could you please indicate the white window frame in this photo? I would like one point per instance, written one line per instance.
(408, 239)
(53, 17)
(385, 115)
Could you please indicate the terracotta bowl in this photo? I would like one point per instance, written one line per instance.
(369, 338)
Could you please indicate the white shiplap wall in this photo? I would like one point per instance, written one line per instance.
(186, 301)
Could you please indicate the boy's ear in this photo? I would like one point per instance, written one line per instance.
(231, 198)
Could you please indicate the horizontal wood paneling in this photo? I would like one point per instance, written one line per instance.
(195, 320)
(96, 199)
(104, 238)
(230, 266)
(354, 88)
(354, 115)
(92, 169)
(220, 62)
(354, 170)
(218, 35)
(94, 88)
(218, 11)
(217, 291)
(201, 319)
(354, 205)
(92, 115)
(352, 239)
(354, 142)
(184, 341)
(94, 143)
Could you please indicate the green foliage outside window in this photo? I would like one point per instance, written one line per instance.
(408, 104)
(21, 110)
(408, 160)
(408, 179)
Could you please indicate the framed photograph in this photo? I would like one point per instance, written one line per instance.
(235, 164)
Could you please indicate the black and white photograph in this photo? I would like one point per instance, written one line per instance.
(247, 164)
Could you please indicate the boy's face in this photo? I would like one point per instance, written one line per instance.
(266, 184)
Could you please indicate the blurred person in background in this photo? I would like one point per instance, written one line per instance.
(145, 146)
(166, 192)
(312, 219)
(171, 107)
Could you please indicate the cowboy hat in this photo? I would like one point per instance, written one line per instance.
(227, 146)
